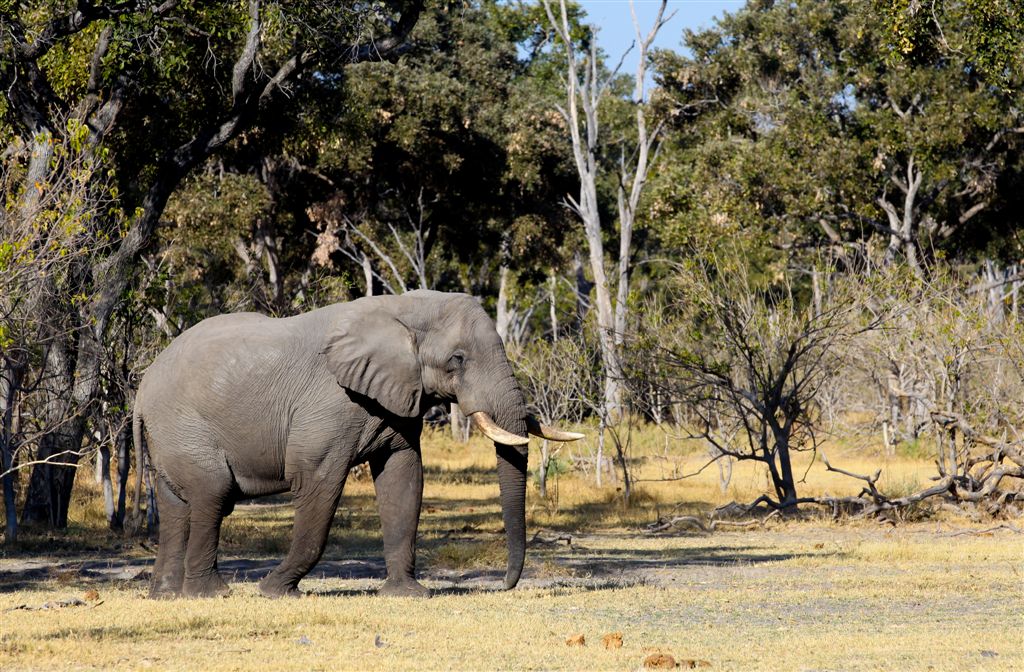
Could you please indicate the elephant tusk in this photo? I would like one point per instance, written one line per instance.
(551, 433)
(495, 433)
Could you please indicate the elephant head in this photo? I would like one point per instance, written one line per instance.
(413, 351)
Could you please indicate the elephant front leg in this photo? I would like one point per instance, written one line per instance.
(315, 505)
(398, 480)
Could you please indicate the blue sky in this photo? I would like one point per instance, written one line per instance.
(616, 25)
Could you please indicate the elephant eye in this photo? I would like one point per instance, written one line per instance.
(456, 361)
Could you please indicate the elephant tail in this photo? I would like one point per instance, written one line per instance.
(140, 467)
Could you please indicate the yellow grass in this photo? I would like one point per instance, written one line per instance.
(794, 595)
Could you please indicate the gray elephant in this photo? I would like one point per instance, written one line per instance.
(244, 405)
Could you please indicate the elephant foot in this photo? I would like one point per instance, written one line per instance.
(403, 588)
(269, 587)
(157, 593)
(208, 585)
(165, 589)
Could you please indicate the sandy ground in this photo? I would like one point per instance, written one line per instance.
(798, 596)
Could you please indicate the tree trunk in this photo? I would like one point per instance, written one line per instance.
(367, 275)
(542, 470)
(785, 484)
(904, 226)
(501, 318)
(123, 464)
(552, 284)
(103, 458)
(10, 382)
(583, 287)
(459, 423)
(788, 484)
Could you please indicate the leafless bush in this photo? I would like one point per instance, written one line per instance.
(749, 362)
(553, 375)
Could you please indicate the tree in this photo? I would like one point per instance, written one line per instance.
(748, 362)
(541, 368)
(586, 88)
(809, 135)
(49, 228)
(159, 119)
(984, 34)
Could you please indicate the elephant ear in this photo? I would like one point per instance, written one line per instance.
(373, 354)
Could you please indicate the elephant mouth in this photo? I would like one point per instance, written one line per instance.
(495, 433)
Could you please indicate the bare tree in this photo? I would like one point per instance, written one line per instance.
(394, 253)
(750, 362)
(586, 85)
(952, 375)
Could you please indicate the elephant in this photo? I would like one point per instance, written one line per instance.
(243, 405)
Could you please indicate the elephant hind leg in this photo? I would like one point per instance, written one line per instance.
(206, 514)
(169, 568)
(315, 505)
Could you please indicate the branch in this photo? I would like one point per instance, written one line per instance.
(245, 61)
(81, 18)
(395, 43)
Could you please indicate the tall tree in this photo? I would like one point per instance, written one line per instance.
(587, 85)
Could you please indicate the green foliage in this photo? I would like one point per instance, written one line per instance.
(455, 148)
(557, 465)
(988, 35)
(793, 125)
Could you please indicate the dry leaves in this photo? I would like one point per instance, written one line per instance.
(613, 640)
(659, 661)
(663, 661)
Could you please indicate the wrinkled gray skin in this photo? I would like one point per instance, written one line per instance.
(244, 405)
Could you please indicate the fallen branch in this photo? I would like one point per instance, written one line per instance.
(550, 541)
(1004, 526)
(711, 524)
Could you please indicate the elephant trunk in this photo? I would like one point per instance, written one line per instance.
(512, 482)
(491, 395)
(509, 413)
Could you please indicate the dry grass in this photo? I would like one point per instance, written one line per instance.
(794, 595)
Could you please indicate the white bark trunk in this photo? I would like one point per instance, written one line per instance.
(502, 317)
(583, 95)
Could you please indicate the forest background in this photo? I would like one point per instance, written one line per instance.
(804, 227)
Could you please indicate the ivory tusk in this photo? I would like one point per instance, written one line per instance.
(495, 433)
(550, 433)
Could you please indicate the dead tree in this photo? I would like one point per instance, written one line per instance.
(988, 461)
(541, 368)
(586, 84)
(750, 363)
